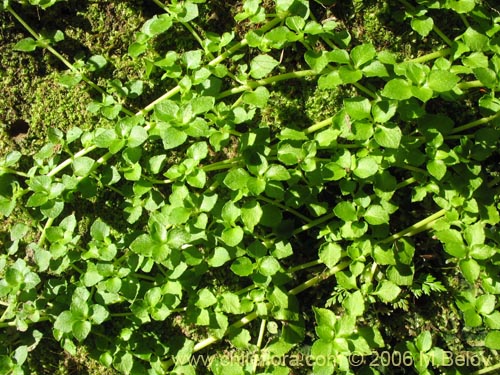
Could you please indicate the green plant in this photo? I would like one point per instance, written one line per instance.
(229, 217)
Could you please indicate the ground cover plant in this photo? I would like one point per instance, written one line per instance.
(259, 187)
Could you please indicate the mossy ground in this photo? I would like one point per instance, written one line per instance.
(33, 102)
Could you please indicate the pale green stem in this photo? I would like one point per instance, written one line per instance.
(304, 266)
(67, 162)
(406, 182)
(473, 124)
(224, 164)
(214, 62)
(252, 316)
(266, 81)
(417, 227)
(48, 224)
(144, 277)
(13, 171)
(262, 330)
(366, 90)
(167, 95)
(193, 32)
(436, 29)
(321, 277)
(487, 370)
(431, 56)
(283, 207)
(13, 324)
(470, 85)
(259, 342)
(156, 181)
(414, 169)
(61, 57)
(319, 125)
(313, 223)
(76, 268)
(464, 20)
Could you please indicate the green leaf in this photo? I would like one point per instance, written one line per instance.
(442, 80)
(398, 89)
(384, 256)
(157, 25)
(357, 108)
(99, 314)
(346, 211)
(316, 60)
(330, 80)
(354, 304)
(269, 266)
(485, 304)
(112, 111)
(492, 340)
(330, 254)
(437, 168)
(69, 80)
(230, 303)
(188, 12)
(251, 213)
(123, 362)
(82, 165)
(388, 135)
(136, 49)
(64, 322)
(172, 137)
(383, 111)
(96, 62)
(257, 97)
(205, 298)
(14, 277)
(349, 75)
(241, 340)
(242, 266)
(262, 65)
(376, 215)
(461, 6)
(282, 250)
(236, 179)
(105, 137)
(475, 40)
(387, 291)
(277, 172)
(202, 104)
(422, 25)
(470, 269)
(295, 23)
(474, 234)
(487, 77)
(99, 230)
(362, 54)
(290, 155)
(138, 135)
(230, 212)
(219, 257)
(366, 167)
(493, 320)
(26, 45)
(18, 231)
(166, 110)
(424, 341)
(232, 236)
(142, 245)
(453, 242)
(192, 59)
